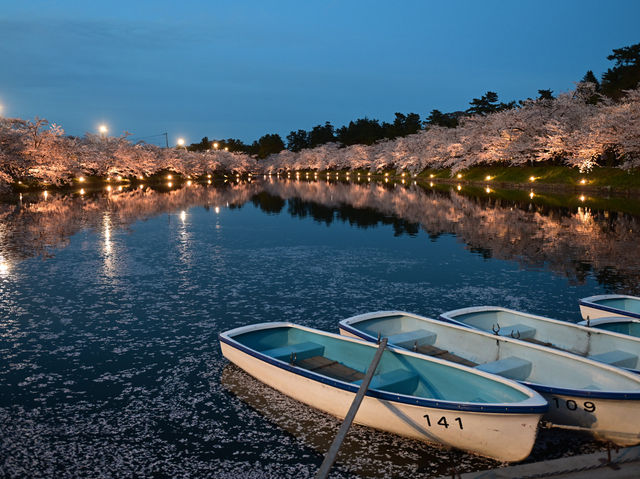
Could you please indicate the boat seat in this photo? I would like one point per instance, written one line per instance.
(621, 359)
(511, 367)
(398, 381)
(299, 351)
(526, 332)
(331, 368)
(411, 339)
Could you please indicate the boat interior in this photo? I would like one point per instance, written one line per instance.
(485, 352)
(599, 346)
(347, 360)
(625, 304)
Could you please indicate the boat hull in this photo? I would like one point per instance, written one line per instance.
(607, 305)
(504, 437)
(617, 421)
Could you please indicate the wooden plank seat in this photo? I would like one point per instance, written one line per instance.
(621, 359)
(538, 342)
(436, 352)
(331, 368)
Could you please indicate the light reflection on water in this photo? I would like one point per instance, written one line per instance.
(112, 303)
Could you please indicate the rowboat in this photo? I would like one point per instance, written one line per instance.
(604, 346)
(616, 324)
(582, 394)
(411, 395)
(610, 305)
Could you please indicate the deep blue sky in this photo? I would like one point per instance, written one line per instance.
(244, 68)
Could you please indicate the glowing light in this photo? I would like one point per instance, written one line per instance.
(119, 188)
(432, 175)
(431, 184)
(488, 178)
(226, 148)
(4, 267)
(459, 176)
(169, 184)
(189, 183)
(532, 178)
(488, 190)
(402, 175)
(386, 174)
(583, 181)
(82, 191)
(81, 179)
(215, 145)
(183, 216)
(141, 177)
(180, 141)
(459, 187)
(103, 129)
(141, 186)
(208, 182)
(217, 209)
(531, 195)
(108, 187)
(169, 177)
(119, 178)
(369, 174)
(582, 198)
(45, 194)
(108, 179)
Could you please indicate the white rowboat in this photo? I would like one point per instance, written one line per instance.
(583, 394)
(607, 347)
(410, 395)
(613, 312)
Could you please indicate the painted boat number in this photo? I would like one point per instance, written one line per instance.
(571, 405)
(443, 421)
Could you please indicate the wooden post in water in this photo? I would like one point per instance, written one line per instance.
(332, 453)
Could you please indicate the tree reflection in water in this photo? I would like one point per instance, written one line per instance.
(575, 242)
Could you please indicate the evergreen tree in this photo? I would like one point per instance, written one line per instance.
(321, 134)
(267, 145)
(297, 140)
(625, 74)
(437, 118)
(488, 103)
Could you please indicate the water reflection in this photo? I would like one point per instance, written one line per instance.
(536, 231)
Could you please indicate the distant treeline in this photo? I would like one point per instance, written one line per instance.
(624, 75)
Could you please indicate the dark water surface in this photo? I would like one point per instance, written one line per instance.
(111, 305)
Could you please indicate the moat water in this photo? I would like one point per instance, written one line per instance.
(111, 303)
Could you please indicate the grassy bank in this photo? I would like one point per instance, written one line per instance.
(557, 178)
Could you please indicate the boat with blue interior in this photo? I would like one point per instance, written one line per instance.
(420, 397)
(582, 394)
(619, 313)
(607, 347)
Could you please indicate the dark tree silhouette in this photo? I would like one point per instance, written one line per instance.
(625, 75)
(297, 140)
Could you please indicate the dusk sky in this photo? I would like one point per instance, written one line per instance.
(243, 69)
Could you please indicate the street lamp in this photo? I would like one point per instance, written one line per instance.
(103, 130)
(215, 145)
